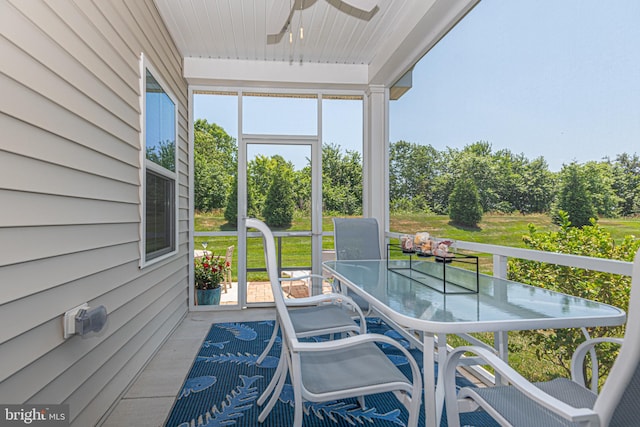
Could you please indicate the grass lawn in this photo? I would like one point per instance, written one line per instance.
(505, 230)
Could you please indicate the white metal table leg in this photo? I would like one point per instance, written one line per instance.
(501, 344)
(442, 358)
(428, 366)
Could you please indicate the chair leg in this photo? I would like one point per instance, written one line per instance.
(414, 410)
(272, 341)
(227, 281)
(299, 406)
(282, 378)
(274, 381)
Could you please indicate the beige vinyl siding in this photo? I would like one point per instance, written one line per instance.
(70, 198)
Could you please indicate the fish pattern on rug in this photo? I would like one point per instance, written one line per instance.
(225, 381)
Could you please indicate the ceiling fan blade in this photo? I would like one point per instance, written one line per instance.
(278, 19)
(364, 5)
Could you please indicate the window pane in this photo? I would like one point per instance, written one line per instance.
(160, 125)
(159, 216)
(279, 115)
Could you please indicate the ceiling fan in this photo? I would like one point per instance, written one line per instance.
(279, 25)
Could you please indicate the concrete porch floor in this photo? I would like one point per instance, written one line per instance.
(149, 399)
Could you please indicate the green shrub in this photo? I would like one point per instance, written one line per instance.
(573, 197)
(557, 346)
(279, 204)
(464, 203)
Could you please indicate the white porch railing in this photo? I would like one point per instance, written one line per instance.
(502, 253)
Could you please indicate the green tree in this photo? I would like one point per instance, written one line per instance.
(302, 189)
(279, 204)
(599, 179)
(557, 346)
(260, 172)
(231, 211)
(626, 183)
(464, 203)
(412, 169)
(509, 180)
(539, 188)
(215, 164)
(474, 161)
(444, 181)
(341, 180)
(573, 197)
(477, 163)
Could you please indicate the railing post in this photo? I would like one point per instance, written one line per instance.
(500, 266)
(500, 338)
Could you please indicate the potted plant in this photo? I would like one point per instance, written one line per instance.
(209, 272)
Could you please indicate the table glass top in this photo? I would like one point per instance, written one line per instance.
(498, 300)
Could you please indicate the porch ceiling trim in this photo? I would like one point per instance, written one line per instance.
(224, 72)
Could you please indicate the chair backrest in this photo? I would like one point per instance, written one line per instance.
(618, 403)
(272, 271)
(356, 238)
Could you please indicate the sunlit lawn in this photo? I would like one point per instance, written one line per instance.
(505, 230)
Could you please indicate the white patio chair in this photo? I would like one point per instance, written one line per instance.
(331, 370)
(326, 314)
(356, 239)
(561, 402)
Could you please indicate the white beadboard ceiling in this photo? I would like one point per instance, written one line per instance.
(341, 43)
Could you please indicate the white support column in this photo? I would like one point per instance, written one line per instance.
(375, 168)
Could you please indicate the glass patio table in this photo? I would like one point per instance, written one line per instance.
(499, 305)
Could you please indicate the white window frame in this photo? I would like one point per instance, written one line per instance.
(151, 166)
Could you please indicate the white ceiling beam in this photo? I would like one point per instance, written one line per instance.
(203, 71)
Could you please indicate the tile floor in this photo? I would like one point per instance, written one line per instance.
(150, 398)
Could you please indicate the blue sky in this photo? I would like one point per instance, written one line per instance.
(558, 79)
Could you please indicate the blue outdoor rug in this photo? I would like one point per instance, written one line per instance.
(224, 384)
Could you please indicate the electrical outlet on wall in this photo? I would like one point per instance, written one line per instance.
(70, 320)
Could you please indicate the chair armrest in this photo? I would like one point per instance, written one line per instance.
(577, 360)
(522, 384)
(316, 276)
(306, 276)
(313, 300)
(319, 299)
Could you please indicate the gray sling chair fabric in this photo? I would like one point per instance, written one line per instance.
(561, 402)
(356, 239)
(350, 367)
(319, 315)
